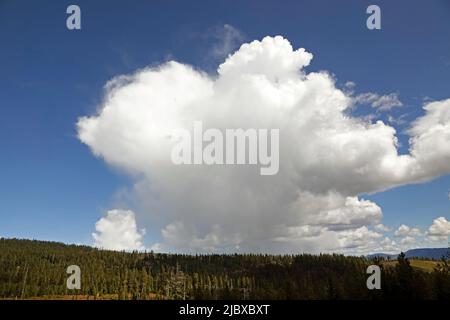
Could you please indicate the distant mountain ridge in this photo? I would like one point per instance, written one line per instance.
(425, 253)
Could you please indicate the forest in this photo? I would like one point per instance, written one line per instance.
(31, 269)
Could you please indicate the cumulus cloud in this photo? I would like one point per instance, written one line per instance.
(404, 231)
(380, 102)
(357, 238)
(408, 241)
(388, 246)
(327, 158)
(381, 227)
(439, 231)
(353, 214)
(117, 230)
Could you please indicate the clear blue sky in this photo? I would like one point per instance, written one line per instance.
(53, 188)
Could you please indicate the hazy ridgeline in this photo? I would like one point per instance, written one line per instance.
(38, 269)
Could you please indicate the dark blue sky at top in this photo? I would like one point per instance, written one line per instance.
(53, 188)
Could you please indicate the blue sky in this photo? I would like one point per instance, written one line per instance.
(53, 188)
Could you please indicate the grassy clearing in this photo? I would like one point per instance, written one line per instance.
(423, 265)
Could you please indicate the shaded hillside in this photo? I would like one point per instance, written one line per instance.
(428, 253)
(38, 268)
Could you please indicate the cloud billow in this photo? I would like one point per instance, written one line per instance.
(327, 158)
(118, 231)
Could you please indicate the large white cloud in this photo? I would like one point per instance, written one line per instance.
(117, 230)
(439, 231)
(327, 158)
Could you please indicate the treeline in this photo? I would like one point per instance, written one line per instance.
(31, 268)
